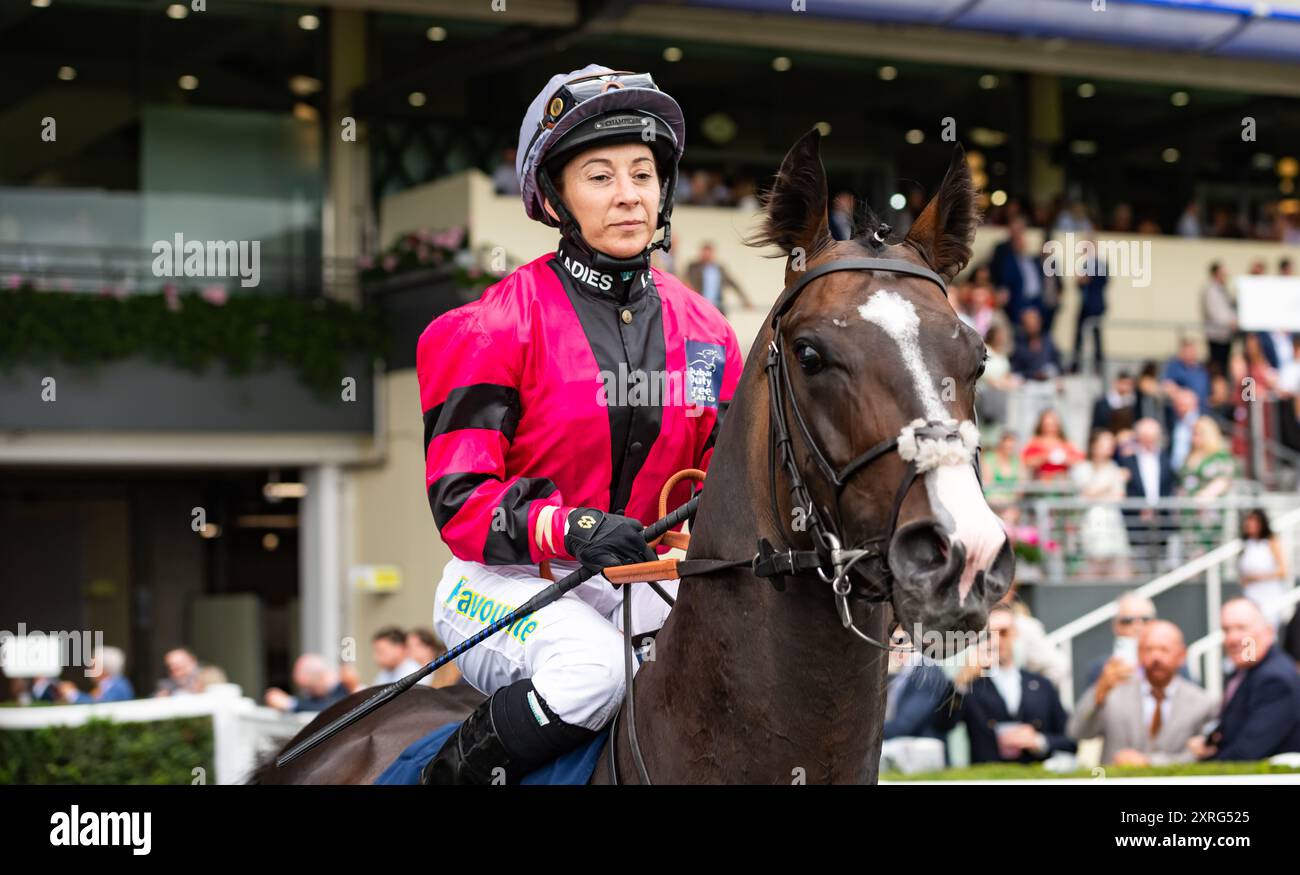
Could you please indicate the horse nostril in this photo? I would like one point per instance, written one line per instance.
(924, 553)
(997, 578)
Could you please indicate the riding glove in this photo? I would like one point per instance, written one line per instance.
(599, 540)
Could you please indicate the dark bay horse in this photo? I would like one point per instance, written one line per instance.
(748, 683)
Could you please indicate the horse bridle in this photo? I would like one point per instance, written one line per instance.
(829, 559)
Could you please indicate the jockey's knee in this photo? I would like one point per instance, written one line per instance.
(586, 691)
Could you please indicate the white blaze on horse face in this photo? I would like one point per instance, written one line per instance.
(955, 495)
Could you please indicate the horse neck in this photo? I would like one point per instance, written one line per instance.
(749, 684)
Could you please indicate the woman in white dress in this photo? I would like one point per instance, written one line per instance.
(1262, 570)
(1102, 482)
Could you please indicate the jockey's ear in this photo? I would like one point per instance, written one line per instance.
(550, 209)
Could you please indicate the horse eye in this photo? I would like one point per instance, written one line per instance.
(809, 358)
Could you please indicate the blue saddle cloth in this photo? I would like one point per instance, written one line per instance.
(574, 767)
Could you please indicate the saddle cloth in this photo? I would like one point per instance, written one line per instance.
(574, 767)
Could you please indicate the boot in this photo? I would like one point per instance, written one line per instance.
(514, 730)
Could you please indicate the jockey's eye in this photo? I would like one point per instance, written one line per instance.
(809, 358)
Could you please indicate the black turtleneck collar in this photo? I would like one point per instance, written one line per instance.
(619, 286)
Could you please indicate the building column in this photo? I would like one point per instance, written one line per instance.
(320, 562)
(1046, 130)
(347, 224)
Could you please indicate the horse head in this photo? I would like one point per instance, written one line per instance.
(879, 358)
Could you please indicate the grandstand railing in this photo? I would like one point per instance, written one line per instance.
(1177, 529)
(242, 731)
(1211, 565)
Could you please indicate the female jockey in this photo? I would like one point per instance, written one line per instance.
(555, 408)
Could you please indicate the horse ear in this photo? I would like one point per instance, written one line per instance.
(944, 231)
(795, 208)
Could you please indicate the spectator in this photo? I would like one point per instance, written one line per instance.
(182, 673)
(318, 687)
(1002, 472)
(505, 180)
(1151, 401)
(1219, 313)
(209, 676)
(1032, 650)
(107, 666)
(998, 380)
(1035, 357)
(1151, 478)
(708, 277)
(389, 649)
(1260, 716)
(1117, 409)
(1186, 370)
(1101, 482)
(1011, 715)
(1187, 411)
(424, 648)
(1049, 455)
(914, 696)
(1222, 404)
(1145, 719)
(1018, 274)
(1092, 307)
(841, 216)
(1132, 613)
(1189, 223)
(1209, 469)
(1206, 475)
(45, 690)
(1262, 568)
(974, 305)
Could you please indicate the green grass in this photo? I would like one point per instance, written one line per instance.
(1006, 772)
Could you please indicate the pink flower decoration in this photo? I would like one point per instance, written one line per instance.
(13, 281)
(423, 254)
(366, 262)
(215, 295)
(390, 262)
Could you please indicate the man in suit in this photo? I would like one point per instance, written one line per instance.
(914, 698)
(1260, 716)
(1146, 719)
(1151, 478)
(1133, 613)
(711, 279)
(1020, 280)
(1011, 715)
(1116, 410)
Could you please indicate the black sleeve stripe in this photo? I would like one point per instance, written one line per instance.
(450, 492)
(508, 535)
(717, 424)
(482, 405)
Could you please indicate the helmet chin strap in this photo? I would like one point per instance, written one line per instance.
(571, 231)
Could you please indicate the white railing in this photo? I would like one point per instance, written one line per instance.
(242, 730)
(1211, 565)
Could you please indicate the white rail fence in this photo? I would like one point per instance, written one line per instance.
(242, 731)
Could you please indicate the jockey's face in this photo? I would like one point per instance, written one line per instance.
(613, 193)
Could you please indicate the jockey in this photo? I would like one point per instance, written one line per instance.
(556, 407)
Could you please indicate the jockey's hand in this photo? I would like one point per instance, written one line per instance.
(599, 540)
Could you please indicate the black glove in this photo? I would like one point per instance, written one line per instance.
(599, 540)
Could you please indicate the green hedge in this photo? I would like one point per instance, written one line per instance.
(104, 752)
(1013, 772)
(247, 333)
